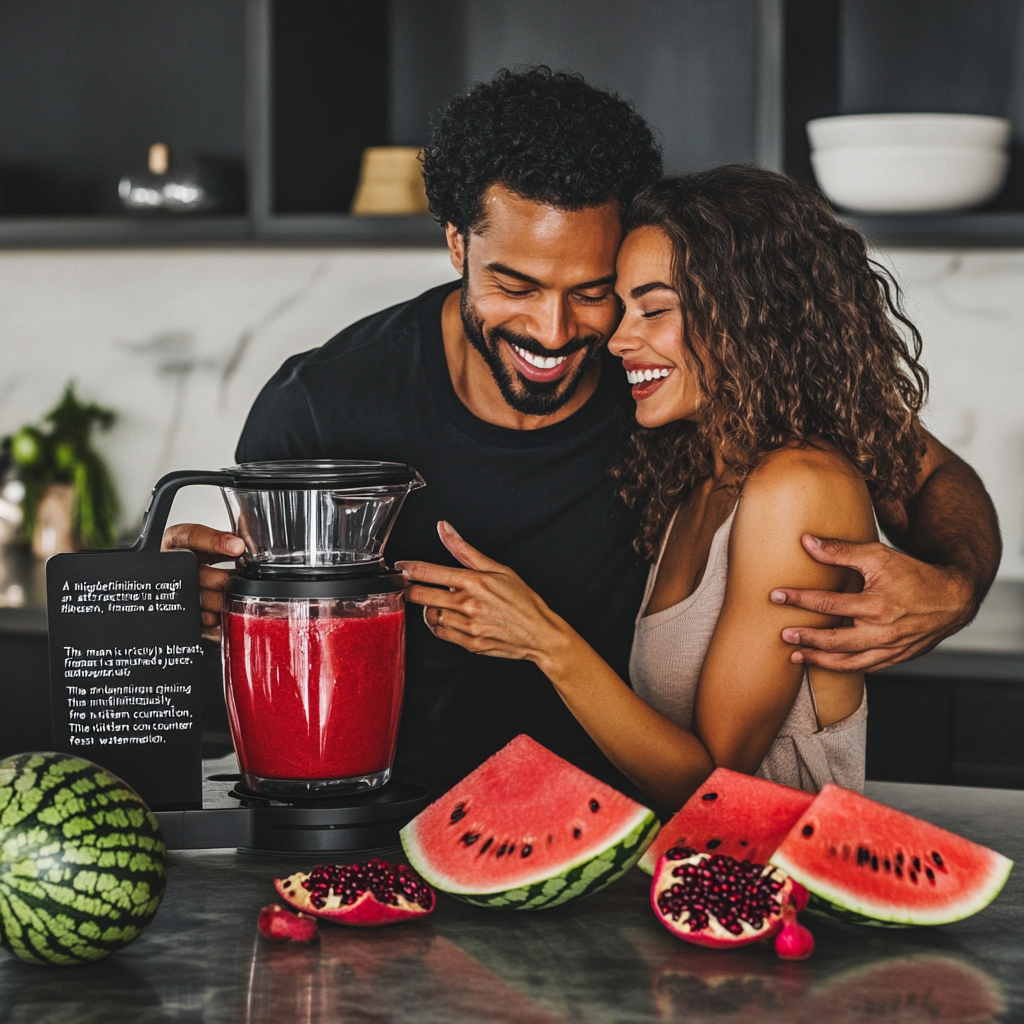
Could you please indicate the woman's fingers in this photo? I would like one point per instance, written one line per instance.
(441, 575)
(466, 553)
(432, 597)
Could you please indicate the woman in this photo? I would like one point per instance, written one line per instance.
(774, 397)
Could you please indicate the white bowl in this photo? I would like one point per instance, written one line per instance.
(910, 179)
(908, 129)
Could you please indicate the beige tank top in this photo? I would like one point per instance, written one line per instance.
(669, 648)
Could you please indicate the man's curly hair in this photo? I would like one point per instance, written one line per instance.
(545, 135)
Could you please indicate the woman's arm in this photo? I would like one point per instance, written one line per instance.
(910, 602)
(748, 683)
(486, 608)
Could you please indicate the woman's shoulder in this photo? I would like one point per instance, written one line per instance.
(806, 489)
(804, 472)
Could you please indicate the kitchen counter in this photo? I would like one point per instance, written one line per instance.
(604, 959)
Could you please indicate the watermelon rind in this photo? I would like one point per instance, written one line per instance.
(577, 880)
(82, 860)
(828, 901)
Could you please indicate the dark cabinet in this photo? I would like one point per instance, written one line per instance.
(944, 729)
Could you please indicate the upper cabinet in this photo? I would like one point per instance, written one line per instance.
(277, 99)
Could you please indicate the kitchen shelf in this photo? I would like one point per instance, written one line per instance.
(297, 229)
(291, 91)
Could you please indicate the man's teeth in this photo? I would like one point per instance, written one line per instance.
(639, 376)
(541, 362)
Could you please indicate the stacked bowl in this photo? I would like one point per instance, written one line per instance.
(910, 163)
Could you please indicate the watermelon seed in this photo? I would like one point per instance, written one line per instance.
(899, 857)
(937, 859)
(743, 842)
(576, 833)
(500, 852)
(595, 806)
(807, 830)
(459, 813)
(874, 862)
(913, 877)
(511, 848)
(930, 874)
(470, 838)
(710, 796)
(899, 871)
(917, 864)
(527, 850)
(713, 843)
(485, 847)
(888, 866)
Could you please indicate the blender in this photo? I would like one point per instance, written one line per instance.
(313, 637)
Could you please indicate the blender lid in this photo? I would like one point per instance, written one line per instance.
(322, 474)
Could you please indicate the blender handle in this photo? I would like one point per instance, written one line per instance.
(155, 518)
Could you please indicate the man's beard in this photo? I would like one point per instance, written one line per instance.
(527, 397)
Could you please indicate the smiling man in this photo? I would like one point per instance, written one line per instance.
(499, 389)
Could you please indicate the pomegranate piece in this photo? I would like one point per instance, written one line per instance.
(280, 924)
(714, 900)
(372, 892)
(794, 942)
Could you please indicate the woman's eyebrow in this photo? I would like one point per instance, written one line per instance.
(643, 289)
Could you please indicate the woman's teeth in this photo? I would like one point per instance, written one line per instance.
(639, 376)
(541, 362)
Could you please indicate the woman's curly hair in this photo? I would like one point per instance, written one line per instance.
(792, 330)
(546, 135)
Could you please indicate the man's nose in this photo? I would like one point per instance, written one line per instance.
(556, 326)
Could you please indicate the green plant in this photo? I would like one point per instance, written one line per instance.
(59, 451)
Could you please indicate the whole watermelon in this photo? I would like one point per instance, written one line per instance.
(82, 860)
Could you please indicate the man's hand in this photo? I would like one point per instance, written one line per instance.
(209, 546)
(905, 608)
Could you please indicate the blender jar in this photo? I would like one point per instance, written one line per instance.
(314, 690)
(314, 622)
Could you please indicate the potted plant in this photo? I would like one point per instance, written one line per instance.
(70, 499)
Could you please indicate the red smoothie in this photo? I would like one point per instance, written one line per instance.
(314, 698)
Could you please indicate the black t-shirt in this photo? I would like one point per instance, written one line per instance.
(539, 501)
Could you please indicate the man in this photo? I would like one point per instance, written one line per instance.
(498, 389)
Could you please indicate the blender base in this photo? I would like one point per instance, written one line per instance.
(235, 816)
(288, 789)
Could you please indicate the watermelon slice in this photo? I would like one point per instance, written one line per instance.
(865, 862)
(738, 815)
(527, 830)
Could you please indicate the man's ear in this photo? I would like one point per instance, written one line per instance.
(456, 247)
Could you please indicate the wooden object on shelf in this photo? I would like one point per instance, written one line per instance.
(159, 158)
(390, 183)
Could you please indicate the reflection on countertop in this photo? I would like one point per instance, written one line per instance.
(604, 959)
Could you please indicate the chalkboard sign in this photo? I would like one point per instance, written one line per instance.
(124, 668)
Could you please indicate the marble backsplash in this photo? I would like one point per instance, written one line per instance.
(180, 342)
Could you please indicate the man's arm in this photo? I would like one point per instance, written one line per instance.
(910, 602)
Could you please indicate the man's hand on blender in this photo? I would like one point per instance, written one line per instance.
(209, 546)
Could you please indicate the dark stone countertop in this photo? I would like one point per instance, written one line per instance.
(604, 959)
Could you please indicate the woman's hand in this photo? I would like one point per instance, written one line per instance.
(485, 607)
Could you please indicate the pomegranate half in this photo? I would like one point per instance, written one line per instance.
(714, 900)
(372, 892)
